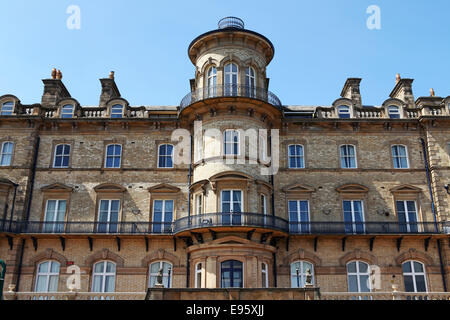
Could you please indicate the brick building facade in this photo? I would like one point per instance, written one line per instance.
(359, 189)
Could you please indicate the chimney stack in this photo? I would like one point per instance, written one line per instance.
(403, 91)
(351, 91)
(109, 89)
(54, 89)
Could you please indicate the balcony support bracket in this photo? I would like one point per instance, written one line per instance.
(265, 236)
(198, 237)
(343, 243)
(63, 243)
(213, 234)
(372, 240)
(10, 242)
(35, 243)
(118, 243)
(188, 241)
(316, 240)
(287, 244)
(399, 243)
(427, 243)
(250, 234)
(91, 243)
(174, 244)
(146, 244)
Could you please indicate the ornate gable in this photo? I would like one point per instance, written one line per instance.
(57, 187)
(164, 188)
(109, 187)
(298, 188)
(404, 188)
(352, 188)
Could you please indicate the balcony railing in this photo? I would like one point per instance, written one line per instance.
(230, 91)
(243, 219)
(213, 220)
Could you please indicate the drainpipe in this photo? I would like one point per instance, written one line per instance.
(2, 277)
(30, 197)
(425, 155)
(275, 270)
(12, 206)
(188, 269)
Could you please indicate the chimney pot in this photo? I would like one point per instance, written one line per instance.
(432, 94)
(111, 75)
(59, 75)
(54, 73)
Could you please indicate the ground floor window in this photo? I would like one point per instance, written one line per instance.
(299, 271)
(231, 274)
(166, 272)
(414, 276)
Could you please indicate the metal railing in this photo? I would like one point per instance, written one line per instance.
(231, 90)
(385, 296)
(222, 219)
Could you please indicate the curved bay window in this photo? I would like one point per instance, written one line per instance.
(299, 271)
(231, 274)
(47, 277)
(231, 207)
(250, 82)
(166, 272)
(231, 79)
(212, 82)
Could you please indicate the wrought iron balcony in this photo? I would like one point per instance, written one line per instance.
(243, 219)
(214, 220)
(227, 91)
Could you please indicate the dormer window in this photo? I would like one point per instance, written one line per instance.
(231, 79)
(67, 111)
(7, 108)
(344, 112)
(394, 112)
(117, 111)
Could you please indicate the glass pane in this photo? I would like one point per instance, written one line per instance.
(53, 284)
(97, 284)
(41, 284)
(418, 267)
(364, 283)
(110, 267)
(226, 195)
(363, 267)
(154, 268)
(352, 284)
(51, 208)
(43, 267)
(420, 284)
(109, 284)
(407, 267)
(351, 267)
(409, 284)
(54, 267)
(98, 268)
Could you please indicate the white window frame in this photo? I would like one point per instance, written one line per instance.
(354, 222)
(108, 220)
(64, 107)
(346, 112)
(400, 157)
(55, 225)
(163, 213)
(232, 143)
(211, 82)
(341, 157)
(114, 156)
(167, 156)
(415, 273)
(231, 88)
(263, 203)
(264, 275)
(199, 275)
(301, 274)
(47, 275)
(103, 275)
(8, 105)
(113, 108)
(295, 156)
(199, 203)
(232, 191)
(358, 275)
(63, 155)
(161, 265)
(408, 223)
(250, 81)
(243, 273)
(397, 112)
(299, 214)
(4, 153)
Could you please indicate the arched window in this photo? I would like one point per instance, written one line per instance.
(165, 156)
(62, 156)
(231, 79)
(7, 108)
(104, 277)
(414, 276)
(67, 111)
(117, 111)
(231, 142)
(358, 275)
(264, 275)
(344, 112)
(198, 275)
(231, 274)
(296, 157)
(166, 272)
(348, 157)
(6, 153)
(250, 82)
(47, 276)
(400, 157)
(394, 112)
(299, 271)
(212, 82)
(113, 156)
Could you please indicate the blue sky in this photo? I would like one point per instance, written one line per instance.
(318, 44)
